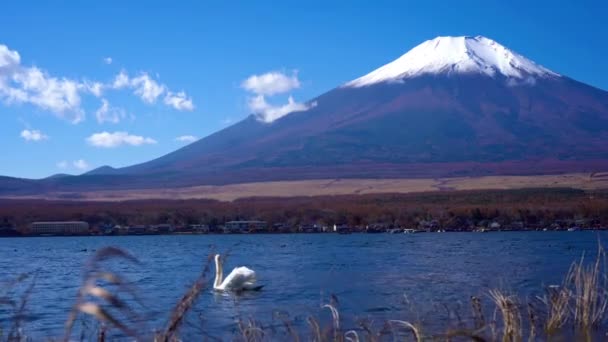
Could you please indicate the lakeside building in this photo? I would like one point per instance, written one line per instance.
(245, 226)
(60, 228)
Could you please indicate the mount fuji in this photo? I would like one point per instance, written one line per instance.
(451, 106)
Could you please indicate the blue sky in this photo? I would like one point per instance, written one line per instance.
(180, 68)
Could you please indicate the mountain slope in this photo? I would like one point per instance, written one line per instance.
(452, 106)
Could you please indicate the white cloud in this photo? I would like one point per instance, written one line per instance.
(269, 113)
(109, 140)
(8, 58)
(186, 138)
(121, 80)
(19, 84)
(62, 165)
(179, 101)
(81, 164)
(95, 88)
(268, 84)
(147, 88)
(107, 60)
(107, 113)
(61, 96)
(33, 135)
(271, 83)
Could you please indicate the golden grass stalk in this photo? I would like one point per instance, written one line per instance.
(479, 319)
(589, 290)
(558, 308)
(511, 316)
(335, 315)
(91, 296)
(414, 328)
(316, 329)
(103, 316)
(351, 336)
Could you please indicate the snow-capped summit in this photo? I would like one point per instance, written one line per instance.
(449, 55)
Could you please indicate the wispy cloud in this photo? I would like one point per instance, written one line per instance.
(186, 138)
(107, 113)
(62, 165)
(116, 139)
(95, 88)
(121, 80)
(147, 88)
(20, 84)
(33, 135)
(269, 84)
(269, 113)
(62, 96)
(179, 101)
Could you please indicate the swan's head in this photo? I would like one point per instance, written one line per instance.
(217, 258)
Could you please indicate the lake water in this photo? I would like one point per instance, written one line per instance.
(371, 274)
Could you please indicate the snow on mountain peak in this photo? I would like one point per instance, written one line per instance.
(453, 55)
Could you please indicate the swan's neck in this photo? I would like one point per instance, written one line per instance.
(218, 273)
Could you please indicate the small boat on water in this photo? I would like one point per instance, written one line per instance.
(574, 229)
(410, 231)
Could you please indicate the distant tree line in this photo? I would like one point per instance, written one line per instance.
(458, 210)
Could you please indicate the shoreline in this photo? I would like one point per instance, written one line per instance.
(594, 230)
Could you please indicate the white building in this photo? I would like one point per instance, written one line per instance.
(60, 228)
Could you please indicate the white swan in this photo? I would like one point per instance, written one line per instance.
(240, 279)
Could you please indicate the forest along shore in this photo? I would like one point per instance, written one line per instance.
(479, 211)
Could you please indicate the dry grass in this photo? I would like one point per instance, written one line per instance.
(325, 187)
(511, 323)
(105, 306)
(574, 310)
(588, 284)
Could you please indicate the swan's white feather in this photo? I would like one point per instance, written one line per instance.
(240, 278)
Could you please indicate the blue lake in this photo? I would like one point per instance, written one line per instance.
(376, 276)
